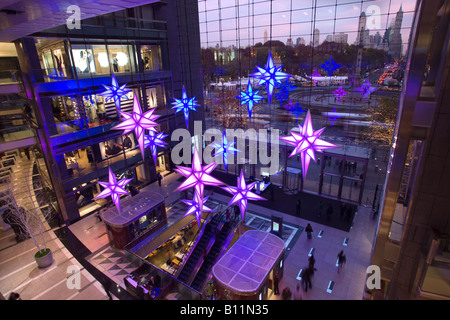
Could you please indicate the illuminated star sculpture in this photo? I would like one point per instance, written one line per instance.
(198, 176)
(224, 149)
(196, 208)
(315, 75)
(332, 116)
(139, 122)
(185, 104)
(339, 93)
(285, 87)
(295, 110)
(115, 92)
(249, 98)
(330, 66)
(153, 141)
(114, 189)
(306, 142)
(366, 89)
(241, 194)
(270, 76)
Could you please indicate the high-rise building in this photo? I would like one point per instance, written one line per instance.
(316, 36)
(396, 43)
(362, 36)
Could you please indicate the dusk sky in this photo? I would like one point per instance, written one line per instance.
(246, 25)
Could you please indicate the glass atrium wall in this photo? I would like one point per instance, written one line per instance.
(368, 41)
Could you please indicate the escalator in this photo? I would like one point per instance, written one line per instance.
(197, 254)
(214, 253)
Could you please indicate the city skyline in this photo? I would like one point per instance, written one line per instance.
(250, 24)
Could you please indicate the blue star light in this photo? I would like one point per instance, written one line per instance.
(330, 66)
(249, 98)
(153, 141)
(115, 92)
(297, 111)
(366, 89)
(224, 149)
(285, 87)
(332, 116)
(185, 104)
(270, 76)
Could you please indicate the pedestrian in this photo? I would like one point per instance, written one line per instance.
(210, 290)
(236, 212)
(329, 211)
(159, 177)
(286, 294)
(306, 279)
(312, 262)
(276, 280)
(341, 260)
(298, 293)
(228, 214)
(14, 296)
(309, 230)
(298, 208)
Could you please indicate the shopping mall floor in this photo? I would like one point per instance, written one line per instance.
(19, 272)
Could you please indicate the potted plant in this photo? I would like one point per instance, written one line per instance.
(28, 224)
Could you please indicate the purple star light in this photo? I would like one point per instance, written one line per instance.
(196, 206)
(339, 93)
(197, 176)
(139, 122)
(153, 141)
(115, 92)
(224, 149)
(315, 75)
(185, 104)
(366, 89)
(241, 194)
(249, 98)
(114, 189)
(306, 142)
(270, 76)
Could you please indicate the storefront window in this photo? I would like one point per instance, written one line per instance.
(151, 57)
(120, 57)
(83, 59)
(53, 59)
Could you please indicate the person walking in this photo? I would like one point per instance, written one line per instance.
(276, 282)
(306, 279)
(341, 260)
(298, 293)
(312, 262)
(309, 230)
(298, 208)
(159, 177)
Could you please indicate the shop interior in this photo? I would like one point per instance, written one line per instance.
(170, 255)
